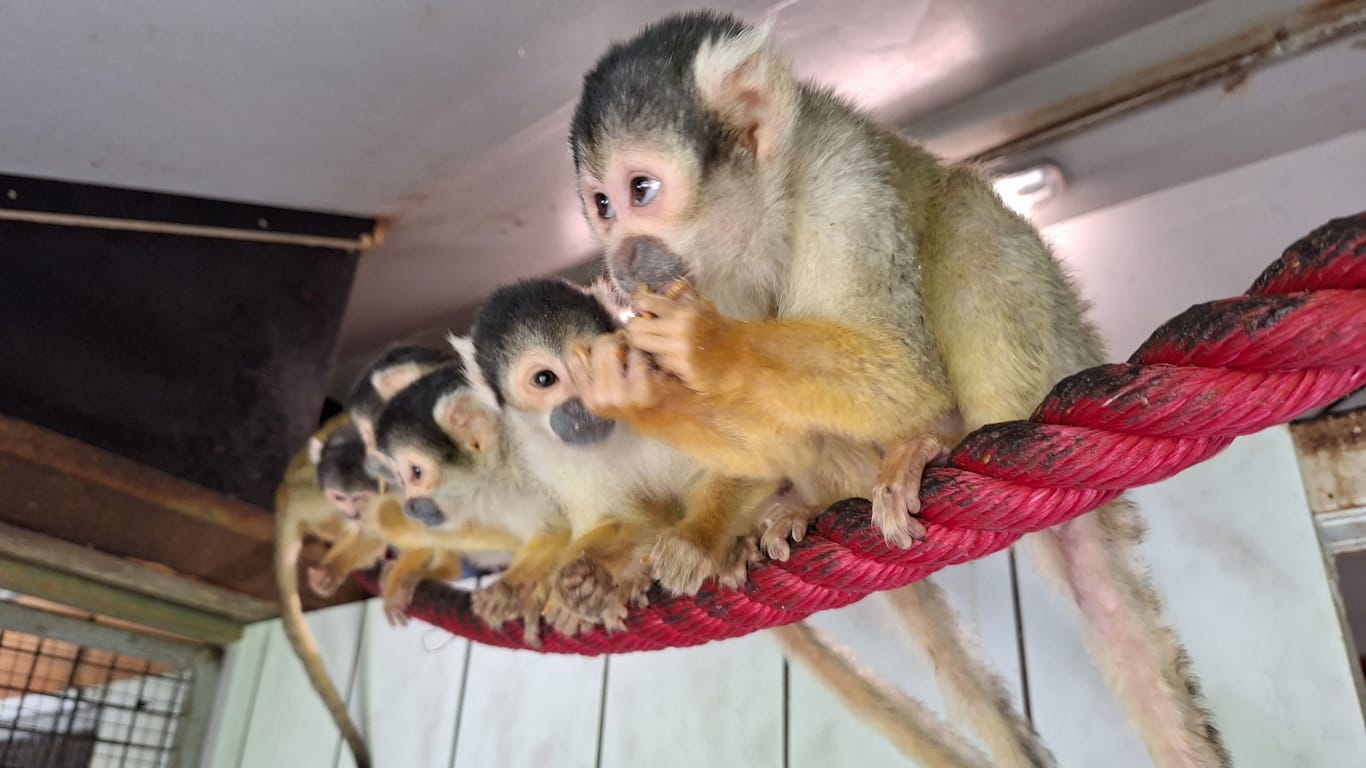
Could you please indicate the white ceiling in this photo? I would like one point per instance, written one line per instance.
(448, 116)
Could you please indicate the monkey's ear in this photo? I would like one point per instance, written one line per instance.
(750, 86)
(315, 450)
(469, 423)
(395, 379)
(479, 384)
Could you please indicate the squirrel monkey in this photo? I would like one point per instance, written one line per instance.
(422, 552)
(457, 466)
(858, 293)
(387, 375)
(324, 492)
(617, 490)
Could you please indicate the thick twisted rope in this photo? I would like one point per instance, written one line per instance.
(1295, 341)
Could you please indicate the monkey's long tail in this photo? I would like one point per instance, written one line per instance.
(916, 731)
(1093, 558)
(974, 692)
(288, 544)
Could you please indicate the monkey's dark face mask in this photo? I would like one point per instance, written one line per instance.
(572, 423)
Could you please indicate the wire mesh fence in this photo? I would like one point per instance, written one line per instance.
(63, 705)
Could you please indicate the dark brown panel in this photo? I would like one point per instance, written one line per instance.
(205, 358)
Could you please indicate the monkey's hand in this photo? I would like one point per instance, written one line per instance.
(686, 336)
(896, 499)
(396, 592)
(615, 380)
(324, 581)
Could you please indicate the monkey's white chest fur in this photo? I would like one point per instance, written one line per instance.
(588, 481)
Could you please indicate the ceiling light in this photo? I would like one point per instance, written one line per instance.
(1027, 189)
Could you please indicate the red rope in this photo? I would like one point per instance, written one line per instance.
(1295, 341)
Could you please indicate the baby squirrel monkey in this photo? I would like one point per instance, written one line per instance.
(458, 467)
(859, 294)
(324, 492)
(617, 490)
(423, 553)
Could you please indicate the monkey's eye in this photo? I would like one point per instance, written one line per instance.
(415, 471)
(643, 190)
(605, 210)
(544, 379)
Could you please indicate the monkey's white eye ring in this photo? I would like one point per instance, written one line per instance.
(604, 204)
(643, 190)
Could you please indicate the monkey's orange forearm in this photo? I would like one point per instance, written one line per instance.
(821, 375)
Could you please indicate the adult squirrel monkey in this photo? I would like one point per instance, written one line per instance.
(814, 291)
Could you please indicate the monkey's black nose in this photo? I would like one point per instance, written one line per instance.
(424, 510)
(572, 422)
(646, 261)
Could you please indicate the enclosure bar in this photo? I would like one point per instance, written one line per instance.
(76, 459)
(121, 604)
(39, 549)
(364, 242)
(126, 642)
(195, 718)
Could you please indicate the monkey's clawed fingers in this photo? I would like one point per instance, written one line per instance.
(611, 377)
(735, 565)
(784, 521)
(896, 499)
(672, 327)
(680, 565)
(322, 581)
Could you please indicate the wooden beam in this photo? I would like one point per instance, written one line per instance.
(76, 459)
(93, 596)
(36, 621)
(37, 549)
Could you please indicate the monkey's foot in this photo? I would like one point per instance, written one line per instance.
(591, 591)
(498, 603)
(504, 601)
(785, 520)
(563, 620)
(735, 565)
(679, 565)
(896, 499)
(323, 582)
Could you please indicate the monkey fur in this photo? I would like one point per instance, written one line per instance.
(618, 490)
(456, 466)
(303, 508)
(857, 302)
(423, 552)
